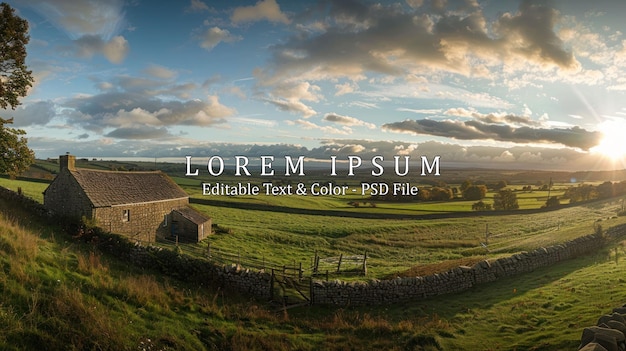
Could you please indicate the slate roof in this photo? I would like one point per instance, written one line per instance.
(192, 215)
(110, 188)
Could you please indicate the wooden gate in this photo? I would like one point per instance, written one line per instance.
(289, 288)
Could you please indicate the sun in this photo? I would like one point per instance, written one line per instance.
(613, 143)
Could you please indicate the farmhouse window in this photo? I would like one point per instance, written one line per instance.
(126, 216)
(165, 220)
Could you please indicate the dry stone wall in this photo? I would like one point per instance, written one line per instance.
(378, 292)
(608, 334)
(194, 270)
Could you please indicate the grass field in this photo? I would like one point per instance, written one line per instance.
(59, 293)
(393, 246)
(55, 289)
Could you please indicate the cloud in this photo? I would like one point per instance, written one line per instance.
(138, 133)
(348, 121)
(361, 40)
(308, 125)
(160, 72)
(476, 130)
(31, 114)
(197, 6)
(115, 50)
(345, 88)
(287, 96)
(492, 118)
(93, 26)
(262, 10)
(134, 102)
(104, 19)
(431, 111)
(213, 36)
(293, 106)
(530, 33)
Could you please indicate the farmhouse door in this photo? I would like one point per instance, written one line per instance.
(174, 228)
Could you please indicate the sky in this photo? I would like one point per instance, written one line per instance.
(499, 84)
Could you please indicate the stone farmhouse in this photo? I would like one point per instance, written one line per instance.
(141, 205)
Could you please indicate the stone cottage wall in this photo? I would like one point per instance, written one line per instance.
(145, 222)
(64, 197)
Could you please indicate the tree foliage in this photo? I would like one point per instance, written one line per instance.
(481, 206)
(475, 192)
(553, 201)
(505, 200)
(16, 156)
(15, 79)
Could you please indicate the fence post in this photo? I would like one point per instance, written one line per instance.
(208, 249)
(311, 293)
(300, 270)
(365, 263)
(317, 263)
(272, 285)
(339, 264)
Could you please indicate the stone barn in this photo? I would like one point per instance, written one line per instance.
(189, 225)
(141, 205)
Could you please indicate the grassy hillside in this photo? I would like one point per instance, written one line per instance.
(59, 293)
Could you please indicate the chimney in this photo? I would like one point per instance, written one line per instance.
(68, 162)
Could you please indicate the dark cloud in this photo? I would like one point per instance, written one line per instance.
(115, 49)
(532, 29)
(117, 109)
(36, 114)
(388, 39)
(492, 118)
(138, 133)
(347, 120)
(476, 130)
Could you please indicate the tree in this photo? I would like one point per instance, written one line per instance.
(16, 156)
(553, 201)
(440, 194)
(505, 200)
(15, 79)
(481, 206)
(466, 184)
(475, 192)
(500, 185)
(606, 190)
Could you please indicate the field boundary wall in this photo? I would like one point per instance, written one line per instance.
(381, 292)
(259, 283)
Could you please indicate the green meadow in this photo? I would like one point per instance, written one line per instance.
(398, 237)
(61, 293)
